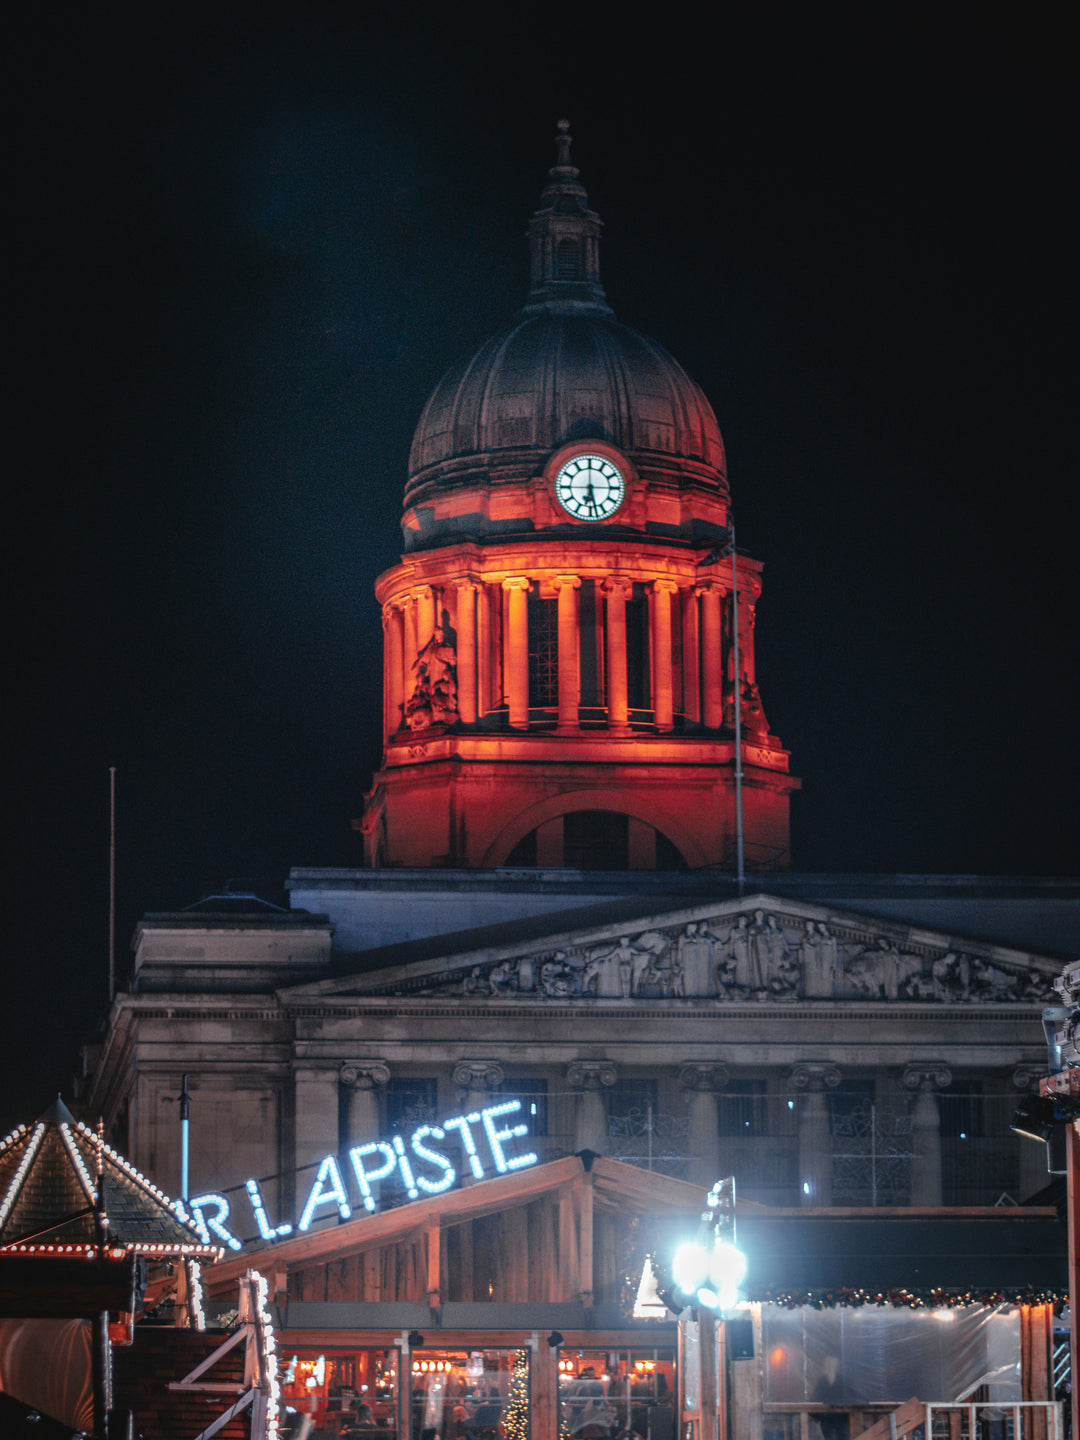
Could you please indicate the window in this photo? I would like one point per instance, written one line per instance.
(410, 1103)
(596, 840)
(632, 1099)
(963, 1111)
(333, 1389)
(481, 1394)
(543, 652)
(742, 1108)
(617, 1392)
(533, 1097)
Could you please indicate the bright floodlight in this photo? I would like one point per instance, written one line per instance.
(690, 1265)
(727, 1266)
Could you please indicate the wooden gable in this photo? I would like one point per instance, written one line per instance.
(555, 1233)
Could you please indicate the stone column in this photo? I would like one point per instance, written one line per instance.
(516, 652)
(711, 647)
(590, 1078)
(393, 670)
(315, 1090)
(813, 1079)
(465, 624)
(477, 1082)
(663, 686)
(568, 587)
(361, 1081)
(702, 1084)
(484, 656)
(924, 1080)
(427, 615)
(616, 590)
(691, 696)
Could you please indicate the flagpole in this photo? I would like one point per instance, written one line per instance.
(740, 857)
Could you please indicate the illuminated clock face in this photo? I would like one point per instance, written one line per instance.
(588, 487)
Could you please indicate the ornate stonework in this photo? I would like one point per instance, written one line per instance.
(926, 1075)
(364, 1074)
(814, 1077)
(591, 1074)
(756, 956)
(478, 1074)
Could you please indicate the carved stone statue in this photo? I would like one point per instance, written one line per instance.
(695, 951)
(434, 695)
(559, 978)
(818, 953)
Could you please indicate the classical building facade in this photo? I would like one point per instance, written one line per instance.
(548, 912)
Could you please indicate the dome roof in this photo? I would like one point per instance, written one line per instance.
(552, 378)
(566, 370)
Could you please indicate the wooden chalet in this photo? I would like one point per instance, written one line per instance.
(88, 1248)
(507, 1308)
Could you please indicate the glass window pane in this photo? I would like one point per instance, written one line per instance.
(346, 1392)
(463, 1394)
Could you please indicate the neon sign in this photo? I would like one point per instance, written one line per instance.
(421, 1168)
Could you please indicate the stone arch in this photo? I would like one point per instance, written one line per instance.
(536, 815)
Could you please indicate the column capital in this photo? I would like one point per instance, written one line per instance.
(1025, 1077)
(566, 582)
(712, 587)
(478, 1074)
(364, 1074)
(421, 592)
(617, 585)
(517, 582)
(926, 1075)
(815, 1076)
(591, 1074)
(703, 1077)
(664, 587)
(466, 583)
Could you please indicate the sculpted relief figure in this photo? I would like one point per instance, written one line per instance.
(695, 953)
(818, 953)
(434, 695)
(881, 971)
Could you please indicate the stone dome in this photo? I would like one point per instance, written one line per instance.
(565, 371)
(552, 378)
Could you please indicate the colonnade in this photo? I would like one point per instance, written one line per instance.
(486, 623)
(354, 1091)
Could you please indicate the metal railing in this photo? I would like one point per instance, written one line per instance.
(1005, 1420)
(987, 1420)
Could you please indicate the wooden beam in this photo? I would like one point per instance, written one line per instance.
(568, 1246)
(433, 1243)
(584, 1195)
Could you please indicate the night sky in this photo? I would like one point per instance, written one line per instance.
(246, 243)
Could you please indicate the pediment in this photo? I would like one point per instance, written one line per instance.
(758, 950)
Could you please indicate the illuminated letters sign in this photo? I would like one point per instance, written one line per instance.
(421, 1168)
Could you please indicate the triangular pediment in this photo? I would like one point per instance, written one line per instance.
(756, 950)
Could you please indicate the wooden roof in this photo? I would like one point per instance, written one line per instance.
(48, 1196)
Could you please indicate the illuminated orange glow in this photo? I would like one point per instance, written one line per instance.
(467, 785)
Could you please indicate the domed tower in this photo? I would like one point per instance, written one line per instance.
(559, 659)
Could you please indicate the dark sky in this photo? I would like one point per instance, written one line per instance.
(245, 244)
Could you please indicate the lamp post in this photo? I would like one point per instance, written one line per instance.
(708, 1271)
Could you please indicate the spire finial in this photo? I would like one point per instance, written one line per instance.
(564, 238)
(563, 141)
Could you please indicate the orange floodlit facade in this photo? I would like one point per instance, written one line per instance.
(559, 673)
